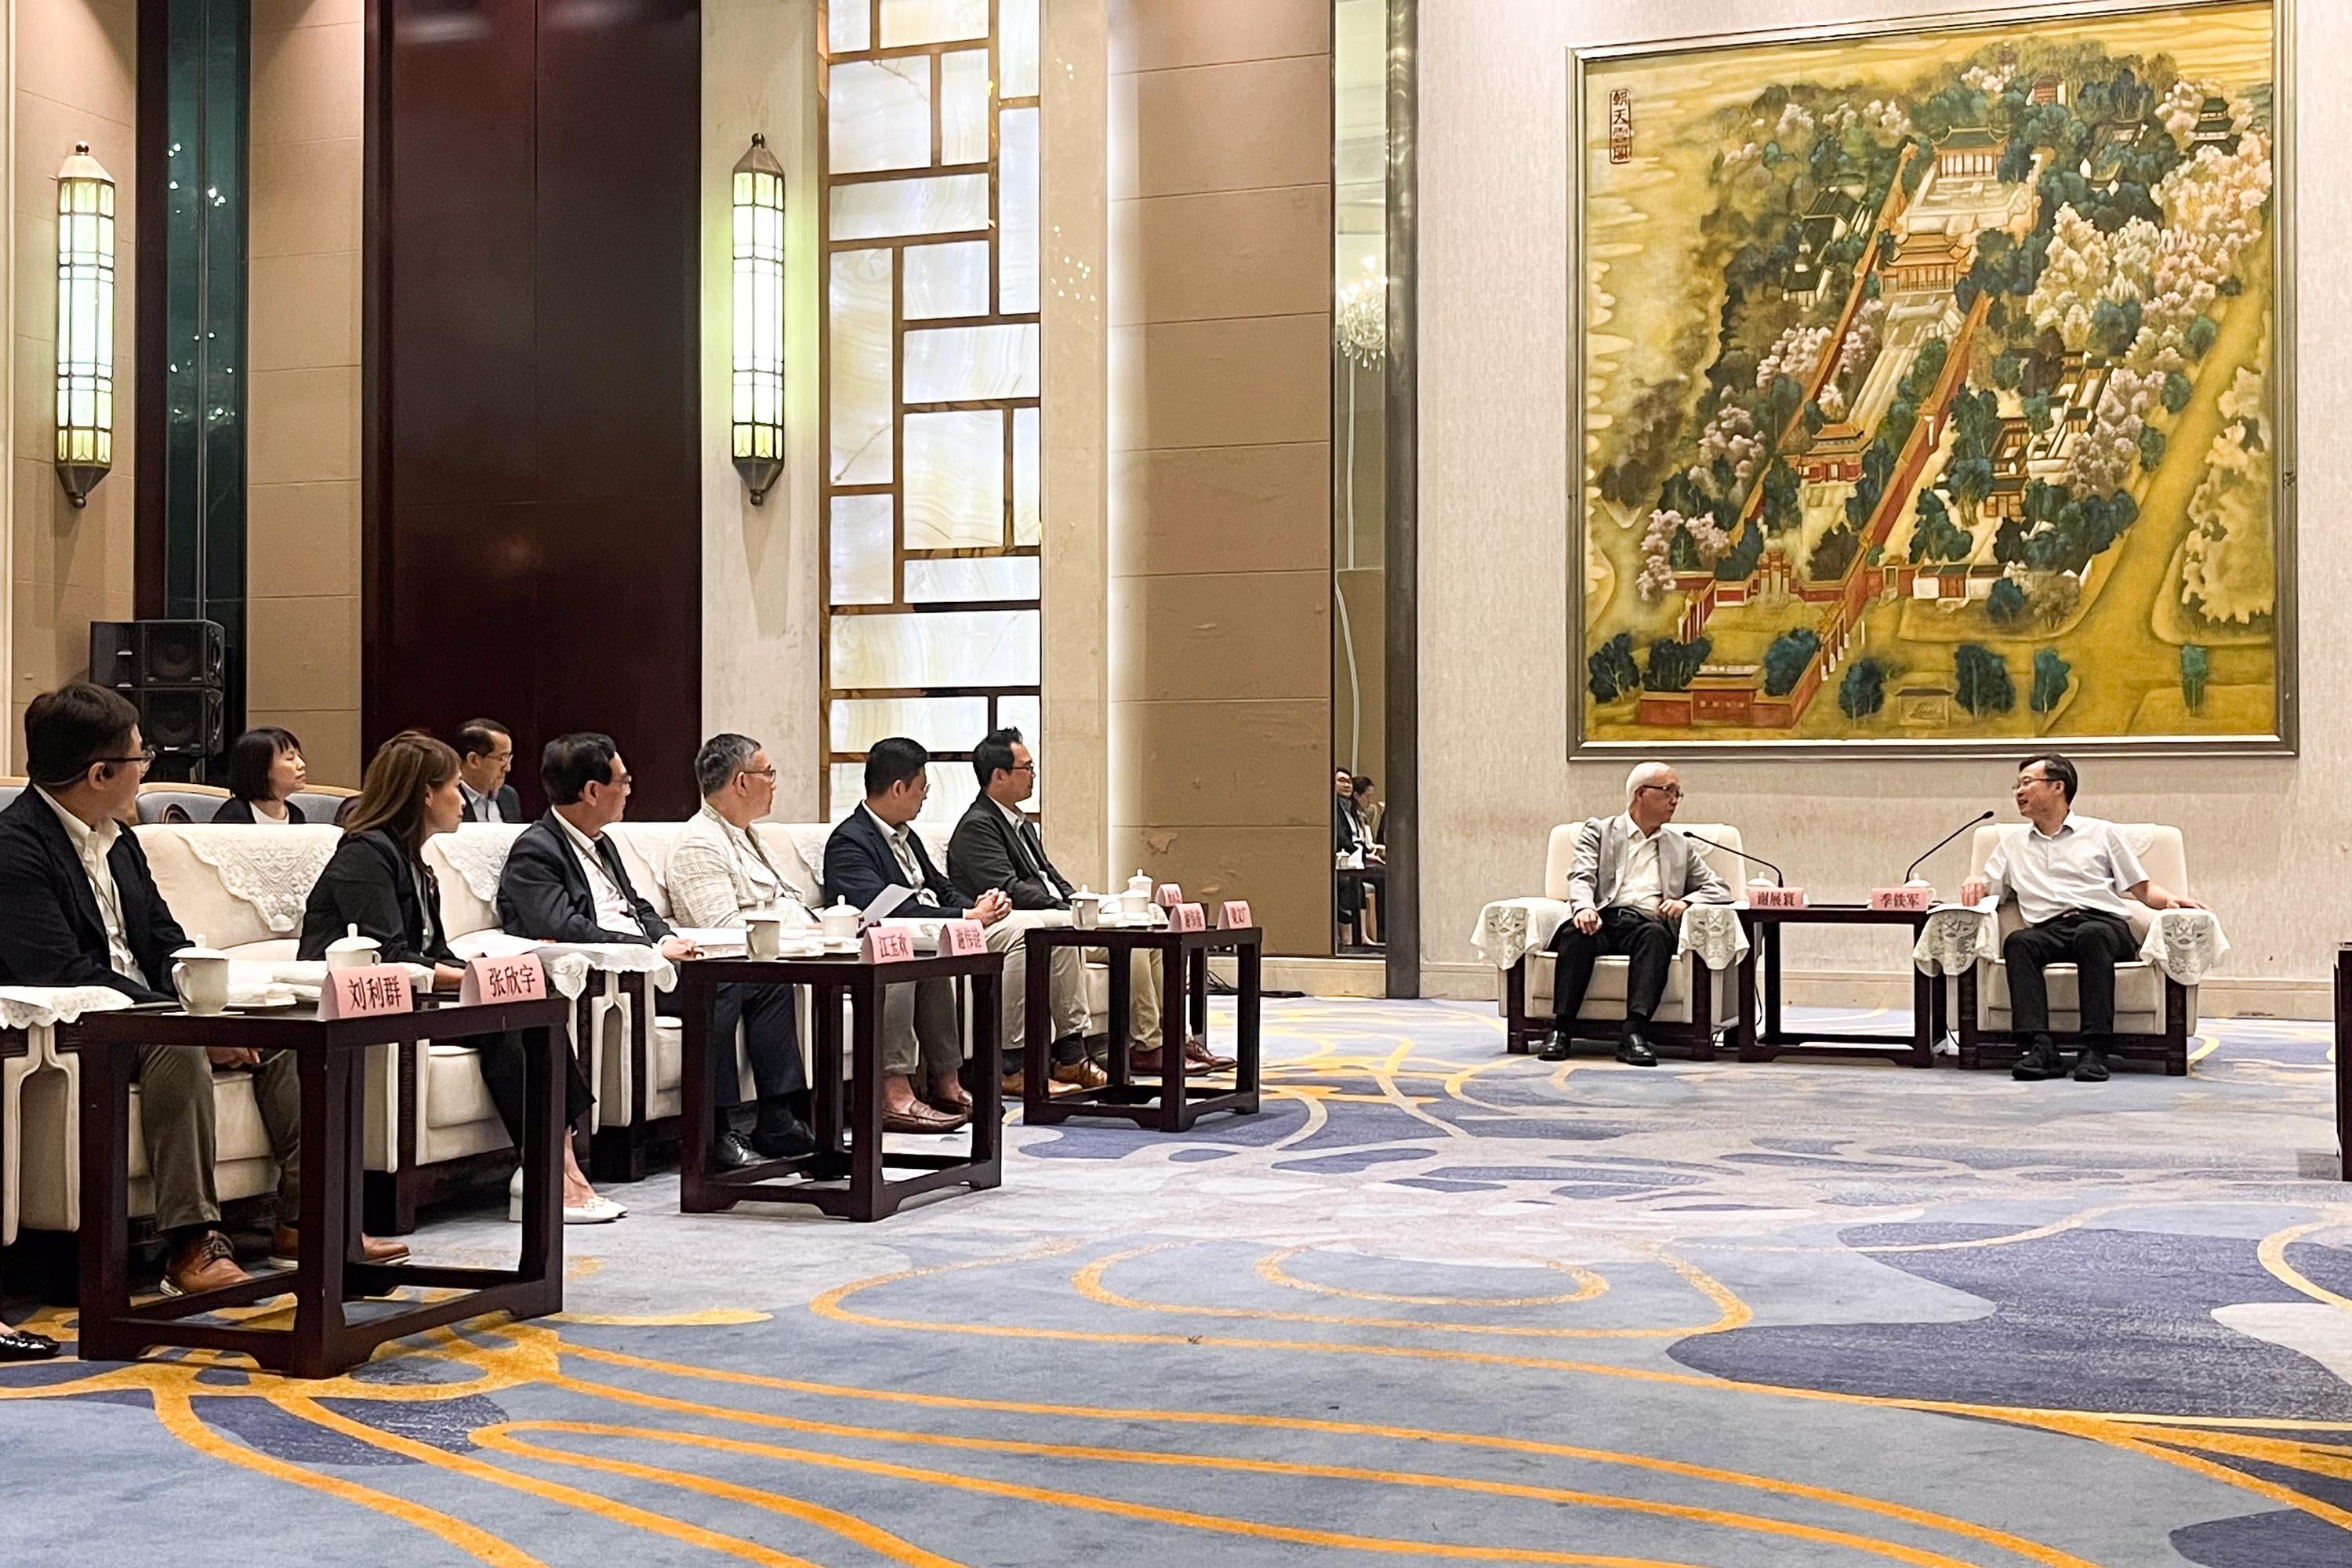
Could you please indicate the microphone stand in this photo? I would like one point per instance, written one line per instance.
(1913, 868)
(1778, 879)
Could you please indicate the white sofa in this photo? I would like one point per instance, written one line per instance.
(1698, 1004)
(2154, 1015)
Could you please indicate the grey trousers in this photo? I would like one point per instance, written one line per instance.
(918, 1026)
(176, 1118)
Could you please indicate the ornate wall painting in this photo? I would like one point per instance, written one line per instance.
(1930, 387)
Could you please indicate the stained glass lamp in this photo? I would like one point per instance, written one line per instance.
(759, 370)
(85, 323)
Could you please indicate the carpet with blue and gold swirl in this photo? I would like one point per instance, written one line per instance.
(1435, 1304)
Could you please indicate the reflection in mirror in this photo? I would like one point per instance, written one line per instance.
(1358, 577)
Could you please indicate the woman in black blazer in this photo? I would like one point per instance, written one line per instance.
(378, 882)
(264, 767)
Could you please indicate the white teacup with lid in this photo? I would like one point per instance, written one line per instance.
(352, 950)
(1086, 909)
(200, 975)
(840, 923)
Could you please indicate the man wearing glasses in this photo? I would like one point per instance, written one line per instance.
(719, 872)
(1627, 888)
(79, 907)
(2072, 876)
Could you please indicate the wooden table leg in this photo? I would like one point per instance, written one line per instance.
(1924, 989)
(1036, 1024)
(1176, 1008)
(1771, 946)
(313, 1343)
(1117, 1033)
(987, 1111)
(825, 1002)
(2343, 1062)
(865, 1097)
(544, 1052)
(696, 998)
(106, 1072)
(1744, 999)
(1248, 962)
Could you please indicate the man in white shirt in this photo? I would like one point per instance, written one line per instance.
(2074, 879)
(719, 871)
(484, 757)
(1630, 880)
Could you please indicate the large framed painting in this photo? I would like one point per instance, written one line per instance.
(1931, 386)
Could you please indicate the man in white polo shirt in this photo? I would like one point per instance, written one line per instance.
(2072, 876)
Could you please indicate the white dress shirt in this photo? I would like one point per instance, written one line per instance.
(905, 851)
(613, 911)
(2086, 865)
(91, 845)
(1642, 886)
(485, 807)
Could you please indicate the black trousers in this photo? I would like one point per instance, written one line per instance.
(2093, 942)
(1646, 942)
(502, 1074)
(771, 1039)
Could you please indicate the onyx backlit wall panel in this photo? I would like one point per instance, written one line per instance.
(532, 531)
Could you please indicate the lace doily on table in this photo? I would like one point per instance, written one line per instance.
(477, 853)
(2185, 944)
(45, 1006)
(1510, 929)
(274, 872)
(614, 958)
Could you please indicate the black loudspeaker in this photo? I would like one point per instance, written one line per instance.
(174, 672)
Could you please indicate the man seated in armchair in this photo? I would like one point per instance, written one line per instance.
(2071, 875)
(80, 906)
(1630, 880)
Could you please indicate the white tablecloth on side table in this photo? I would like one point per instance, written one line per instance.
(1510, 929)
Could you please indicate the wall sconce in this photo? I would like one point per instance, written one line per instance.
(85, 324)
(758, 402)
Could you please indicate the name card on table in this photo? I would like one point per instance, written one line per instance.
(1168, 896)
(366, 992)
(1776, 897)
(1236, 916)
(517, 979)
(958, 939)
(1915, 899)
(1188, 916)
(889, 944)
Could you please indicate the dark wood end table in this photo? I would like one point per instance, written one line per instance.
(323, 1342)
(2344, 1059)
(1175, 1105)
(847, 1176)
(1765, 929)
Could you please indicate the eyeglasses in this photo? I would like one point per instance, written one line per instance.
(1672, 792)
(1024, 767)
(768, 773)
(145, 759)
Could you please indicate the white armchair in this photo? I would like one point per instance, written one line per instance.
(2154, 1015)
(1699, 1002)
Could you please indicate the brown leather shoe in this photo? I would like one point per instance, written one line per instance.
(1013, 1086)
(920, 1118)
(1144, 1063)
(205, 1262)
(286, 1242)
(1200, 1056)
(1080, 1074)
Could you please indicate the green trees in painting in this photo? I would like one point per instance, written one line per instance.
(2194, 668)
(1672, 663)
(1862, 691)
(2051, 674)
(1785, 661)
(1980, 680)
(1610, 669)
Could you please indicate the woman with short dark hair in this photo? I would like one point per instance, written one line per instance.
(264, 767)
(378, 881)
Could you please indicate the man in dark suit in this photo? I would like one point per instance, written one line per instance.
(875, 848)
(564, 882)
(80, 906)
(997, 845)
(484, 757)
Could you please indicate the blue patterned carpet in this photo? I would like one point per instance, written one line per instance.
(1434, 1305)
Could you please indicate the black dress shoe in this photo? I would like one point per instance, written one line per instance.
(729, 1152)
(1555, 1049)
(18, 1344)
(2039, 1062)
(2091, 1066)
(1634, 1051)
(782, 1136)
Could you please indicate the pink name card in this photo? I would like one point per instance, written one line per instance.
(1905, 900)
(889, 944)
(377, 989)
(1776, 897)
(1187, 917)
(1235, 915)
(1169, 896)
(960, 939)
(517, 979)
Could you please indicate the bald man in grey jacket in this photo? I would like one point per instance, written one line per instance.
(1630, 879)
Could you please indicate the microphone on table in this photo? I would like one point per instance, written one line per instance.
(1778, 881)
(1947, 838)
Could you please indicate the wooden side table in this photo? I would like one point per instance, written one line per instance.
(1765, 929)
(323, 1342)
(847, 1175)
(1174, 1105)
(2344, 1061)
